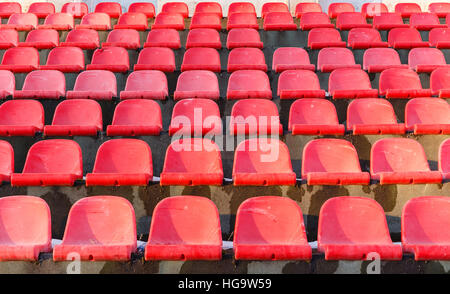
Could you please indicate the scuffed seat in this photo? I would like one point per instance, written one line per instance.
(401, 83)
(315, 20)
(58, 21)
(427, 116)
(378, 59)
(7, 161)
(405, 38)
(246, 59)
(145, 84)
(440, 82)
(203, 38)
(113, 9)
(163, 38)
(291, 58)
(94, 84)
(244, 37)
(21, 22)
(294, 84)
(444, 159)
(387, 21)
(364, 38)
(132, 21)
(168, 21)
(279, 21)
(43, 84)
(197, 84)
(201, 59)
(407, 9)
(82, 38)
(369, 10)
(7, 84)
(156, 58)
(242, 20)
(426, 59)
(95, 21)
(439, 38)
(146, 8)
(20, 59)
(349, 20)
(440, 9)
(65, 59)
(41, 9)
(425, 21)
(8, 38)
(125, 38)
(114, 59)
(206, 21)
(176, 8)
(208, 7)
(21, 118)
(248, 84)
(270, 7)
(319, 38)
(334, 9)
(350, 83)
(41, 39)
(77, 9)
(333, 58)
(9, 8)
(305, 7)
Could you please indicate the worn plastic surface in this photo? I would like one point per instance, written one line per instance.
(364, 38)
(176, 7)
(9, 8)
(355, 228)
(350, 83)
(319, 38)
(197, 84)
(269, 7)
(96, 21)
(349, 20)
(387, 21)
(378, 59)
(163, 38)
(427, 116)
(43, 84)
(444, 159)
(203, 38)
(114, 59)
(8, 38)
(156, 58)
(439, 38)
(41, 39)
(99, 228)
(65, 59)
(169, 21)
(243, 37)
(143, 7)
(132, 20)
(172, 236)
(401, 83)
(248, 84)
(279, 21)
(426, 59)
(270, 228)
(113, 9)
(94, 84)
(246, 58)
(41, 9)
(369, 10)
(311, 20)
(206, 21)
(82, 38)
(7, 83)
(21, 118)
(21, 22)
(406, 9)
(425, 21)
(208, 7)
(77, 9)
(241, 7)
(440, 9)
(242, 20)
(440, 82)
(291, 58)
(302, 8)
(405, 38)
(125, 38)
(334, 9)
(333, 58)
(7, 161)
(146, 84)
(294, 84)
(201, 59)
(20, 59)
(58, 21)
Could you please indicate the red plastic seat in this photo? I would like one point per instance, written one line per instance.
(401, 161)
(95, 21)
(132, 21)
(55, 162)
(444, 159)
(405, 38)
(7, 161)
(21, 22)
(65, 59)
(270, 228)
(349, 20)
(241, 7)
(26, 228)
(136, 117)
(315, 20)
(299, 84)
(279, 21)
(163, 38)
(440, 82)
(319, 38)
(197, 84)
(334, 9)
(248, 84)
(333, 58)
(41, 9)
(195, 117)
(181, 163)
(372, 116)
(201, 59)
(246, 58)
(242, 20)
(114, 59)
(169, 21)
(369, 10)
(262, 162)
(350, 83)
(21, 118)
(41, 39)
(440, 9)
(379, 59)
(122, 162)
(176, 8)
(406, 9)
(172, 237)
(125, 38)
(255, 116)
(311, 116)
(425, 21)
(146, 84)
(203, 38)
(439, 38)
(9, 8)
(208, 7)
(426, 59)
(58, 21)
(94, 84)
(77, 9)
(387, 21)
(113, 9)
(20, 60)
(291, 58)
(8, 38)
(424, 223)
(302, 8)
(143, 7)
(427, 116)
(243, 38)
(364, 38)
(156, 58)
(99, 228)
(401, 83)
(206, 21)
(43, 84)
(76, 117)
(269, 7)
(7, 83)
(82, 38)
(353, 228)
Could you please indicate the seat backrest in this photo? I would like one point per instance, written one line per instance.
(209, 7)
(380, 56)
(111, 56)
(7, 157)
(176, 8)
(66, 56)
(41, 9)
(92, 80)
(241, 7)
(406, 9)
(43, 36)
(9, 8)
(23, 19)
(363, 35)
(7, 83)
(348, 79)
(134, 18)
(440, 79)
(97, 19)
(403, 35)
(395, 78)
(332, 55)
(371, 111)
(22, 112)
(350, 18)
(273, 7)
(323, 35)
(425, 56)
(21, 56)
(78, 112)
(302, 8)
(83, 36)
(423, 18)
(426, 111)
(77, 9)
(388, 18)
(311, 18)
(369, 10)
(41, 80)
(334, 9)
(113, 9)
(136, 112)
(63, 19)
(143, 7)
(444, 158)
(439, 8)
(8, 38)
(312, 111)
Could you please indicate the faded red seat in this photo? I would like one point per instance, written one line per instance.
(9, 8)
(315, 20)
(163, 38)
(201, 59)
(439, 38)
(169, 21)
(145, 84)
(294, 84)
(208, 7)
(369, 10)
(302, 8)
(387, 21)
(7, 83)
(41, 39)
(114, 59)
(7, 161)
(43, 84)
(440, 9)
(401, 83)
(405, 38)
(333, 58)
(379, 59)
(279, 21)
(94, 84)
(21, 22)
(241, 7)
(20, 59)
(291, 58)
(427, 116)
(319, 38)
(77, 9)
(248, 84)
(143, 7)
(334, 9)
(406, 9)
(176, 8)
(425, 21)
(349, 20)
(125, 38)
(132, 21)
(203, 38)
(58, 21)
(246, 58)
(364, 38)
(444, 159)
(8, 38)
(426, 59)
(350, 83)
(242, 20)
(243, 37)
(95, 21)
(269, 7)
(206, 21)
(113, 9)
(41, 9)
(65, 59)
(156, 58)
(82, 38)
(197, 84)
(440, 82)
(21, 118)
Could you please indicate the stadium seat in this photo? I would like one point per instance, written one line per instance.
(76, 117)
(350, 83)
(425, 21)
(401, 83)
(203, 38)
(99, 228)
(163, 38)
(114, 59)
(82, 38)
(241, 7)
(206, 21)
(440, 9)
(426, 59)
(146, 84)
(20, 60)
(41, 9)
(7, 162)
(388, 21)
(94, 84)
(248, 84)
(423, 223)
(291, 58)
(113, 9)
(262, 162)
(440, 82)
(294, 84)
(168, 21)
(364, 38)
(315, 20)
(55, 162)
(243, 38)
(319, 38)
(181, 163)
(41, 39)
(246, 58)
(136, 117)
(255, 116)
(311, 116)
(125, 38)
(334, 9)
(372, 116)
(156, 58)
(349, 20)
(270, 228)
(208, 7)
(269, 7)
(302, 8)
(43, 84)
(369, 10)
(26, 228)
(9, 8)
(197, 84)
(405, 38)
(143, 7)
(353, 228)
(401, 161)
(21, 22)
(176, 8)
(201, 59)
(427, 116)
(58, 21)
(195, 117)
(95, 21)
(132, 21)
(21, 118)
(444, 159)
(171, 236)
(378, 59)
(242, 20)
(406, 9)
(8, 38)
(122, 162)
(439, 38)
(77, 9)
(321, 166)
(65, 59)
(7, 84)
(279, 21)
(332, 58)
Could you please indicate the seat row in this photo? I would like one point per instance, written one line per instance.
(188, 228)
